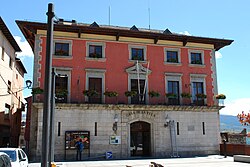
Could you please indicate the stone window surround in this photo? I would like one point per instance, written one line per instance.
(198, 78)
(141, 77)
(174, 77)
(139, 47)
(178, 50)
(196, 51)
(103, 44)
(65, 71)
(95, 73)
(63, 41)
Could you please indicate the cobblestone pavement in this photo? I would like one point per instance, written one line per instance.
(210, 161)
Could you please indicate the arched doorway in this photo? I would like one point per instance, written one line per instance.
(140, 139)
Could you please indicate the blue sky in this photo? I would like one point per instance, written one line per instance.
(229, 19)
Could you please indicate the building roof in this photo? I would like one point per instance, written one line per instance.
(29, 29)
(20, 65)
(9, 36)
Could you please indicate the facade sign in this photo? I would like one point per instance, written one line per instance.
(71, 138)
(115, 140)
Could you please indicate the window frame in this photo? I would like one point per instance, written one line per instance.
(67, 72)
(144, 48)
(198, 78)
(201, 52)
(7, 115)
(69, 42)
(102, 44)
(172, 50)
(95, 73)
(3, 53)
(174, 77)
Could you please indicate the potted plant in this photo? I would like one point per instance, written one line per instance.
(37, 90)
(90, 93)
(153, 94)
(61, 93)
(201, 95)
(186, 95)
(111, 93)
(130, 93)
(220, 96)
(171, 95)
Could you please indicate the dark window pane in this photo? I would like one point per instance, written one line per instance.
(95, 84)
(95, 51)
(172, 56)
(173, 88)
(198, 89)
(196, 58)
(61, 89)
(139, 98)
(137, 54)
(62, 49)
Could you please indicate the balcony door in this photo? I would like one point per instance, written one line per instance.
(95, 84)
(140, 98)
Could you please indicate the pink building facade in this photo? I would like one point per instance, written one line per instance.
(150, 90)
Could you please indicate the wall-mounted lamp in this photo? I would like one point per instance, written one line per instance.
(115, 123)
(28, 83)
(167, 121)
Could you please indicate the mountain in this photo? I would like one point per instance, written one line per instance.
(230, 123)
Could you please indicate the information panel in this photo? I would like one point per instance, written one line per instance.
(71, 138)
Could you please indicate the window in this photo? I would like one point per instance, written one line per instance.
(95, 84)
(9, 87)
(137, 53)
(95, 51)
(6, 111)
(198, 89)
(173, 93)
(61, 89)
(61, 49)
(140, 97)
(10, 63)
(196, 58)
(172, 56)
(2, 53)
(203, 128)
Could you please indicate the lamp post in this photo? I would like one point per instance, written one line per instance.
(47, 87)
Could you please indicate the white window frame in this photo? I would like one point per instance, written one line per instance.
(202, 57)
(95, 73)
(63, 41)
(88, 43)
(65, 71)
(178, 54)
(174, 77)
(138, 47)
(198, 78)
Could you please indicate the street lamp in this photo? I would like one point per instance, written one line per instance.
(28, 83)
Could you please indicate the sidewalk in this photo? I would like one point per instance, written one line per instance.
(210, 161)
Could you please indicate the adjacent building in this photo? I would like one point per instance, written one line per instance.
(11, 85)
(133, 92)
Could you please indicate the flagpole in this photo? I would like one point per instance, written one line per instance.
(138, 78)
(146, 81)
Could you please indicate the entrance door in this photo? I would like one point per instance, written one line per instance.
(140, 139)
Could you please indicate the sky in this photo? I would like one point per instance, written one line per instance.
(225, 19)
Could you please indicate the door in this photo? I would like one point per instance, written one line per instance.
(140, 139)
(95, 84)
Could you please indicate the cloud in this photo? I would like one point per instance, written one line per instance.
(236, 107)
(25, 47)
(185, 33)
(218, 55)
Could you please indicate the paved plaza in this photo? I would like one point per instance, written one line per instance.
(210, 161)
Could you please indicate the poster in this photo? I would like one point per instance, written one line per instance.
(71, 138)
(115, 140)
